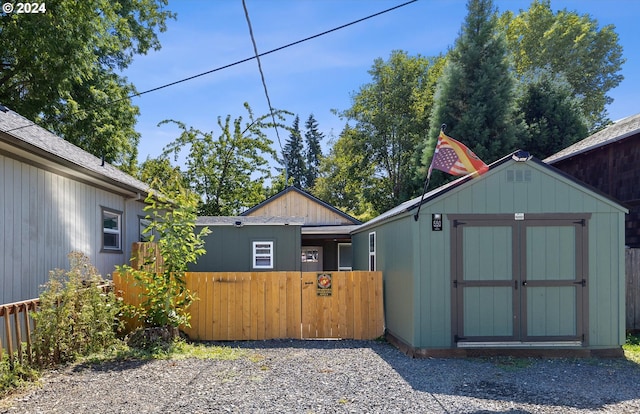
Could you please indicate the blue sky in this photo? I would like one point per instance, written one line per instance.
(323, 73)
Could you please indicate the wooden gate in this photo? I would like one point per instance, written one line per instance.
(270, 305)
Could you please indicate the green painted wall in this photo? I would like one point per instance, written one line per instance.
(416, 261)
(229, 248)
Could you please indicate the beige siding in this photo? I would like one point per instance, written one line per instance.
(293, 204)
(44, 217)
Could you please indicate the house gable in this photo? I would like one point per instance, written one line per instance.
(293, 202)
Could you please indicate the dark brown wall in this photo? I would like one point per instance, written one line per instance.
(613, 169)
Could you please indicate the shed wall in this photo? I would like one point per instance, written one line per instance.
(44, 217)
(509, 188)
(229, 248)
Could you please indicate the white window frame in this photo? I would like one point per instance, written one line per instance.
(373, 265)
(143, 223)
(255, 255)
(344, 268)
(107, 212)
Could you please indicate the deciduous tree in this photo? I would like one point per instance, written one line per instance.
(566, 42)
(60, 69)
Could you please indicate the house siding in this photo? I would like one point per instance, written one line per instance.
(229, 248)
(44, 217)
(613, 169)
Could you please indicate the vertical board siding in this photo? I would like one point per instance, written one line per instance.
(45, 216)
(270, 305)
(632, 266)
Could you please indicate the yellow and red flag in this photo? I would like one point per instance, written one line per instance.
(455, 158)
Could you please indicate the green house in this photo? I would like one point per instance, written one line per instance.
(522, 259)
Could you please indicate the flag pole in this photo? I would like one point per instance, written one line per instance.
(428, 179)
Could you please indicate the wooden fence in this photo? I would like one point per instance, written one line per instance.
(17, 328)
(268, 305)
(632, 268)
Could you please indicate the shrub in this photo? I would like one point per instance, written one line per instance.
(166, 299)
(76, 317)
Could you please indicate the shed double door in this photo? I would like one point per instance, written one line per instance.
(519, 280)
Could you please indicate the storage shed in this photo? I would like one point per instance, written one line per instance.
(523, 259)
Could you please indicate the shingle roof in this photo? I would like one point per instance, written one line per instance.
(249, 221)
(620, 130)
(20, 132)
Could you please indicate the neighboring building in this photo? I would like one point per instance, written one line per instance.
(326, 239)
(609, 160)
(56, 198)
(290, 231)
(520, 258)
(249, 244)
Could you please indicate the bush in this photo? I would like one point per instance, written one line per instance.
(76, 317)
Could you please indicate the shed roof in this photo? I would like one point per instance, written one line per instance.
(28, 141)
(618, 131)
(518, 155)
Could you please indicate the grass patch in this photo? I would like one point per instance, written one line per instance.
(16, 377)
(632, 348)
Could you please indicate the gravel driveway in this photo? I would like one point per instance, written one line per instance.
(285, 376)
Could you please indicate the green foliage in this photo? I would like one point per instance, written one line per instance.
(76, 316)
(589, 57)
(391, 114)
(475, 96)
(60, 69)
(228, 171)
(551, 113)
(632, 347)
(173, 212)
(347, 178)
(313, 153)
(15, 375)
(294, 162)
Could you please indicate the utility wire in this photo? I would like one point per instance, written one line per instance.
(297, 42)
(264, 83)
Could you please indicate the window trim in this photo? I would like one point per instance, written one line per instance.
(119, 232)
(270, 255)
(345, 268)
(372, 252)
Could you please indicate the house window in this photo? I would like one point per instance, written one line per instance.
(111, 230)
(143, 225)
(263, 255)
(344, 256)
(372, 251)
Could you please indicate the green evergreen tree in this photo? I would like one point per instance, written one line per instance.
(313, 152)
(293, 158)
(551, 112)
(475, 96)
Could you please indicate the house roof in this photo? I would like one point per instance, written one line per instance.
(304, 194)
(518, 155)
(27, 141)
(618, 131)
(248, 221)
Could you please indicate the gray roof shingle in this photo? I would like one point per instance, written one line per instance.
(20, 132)
(620, 130)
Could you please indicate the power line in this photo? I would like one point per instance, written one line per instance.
(264, 83)
(297, 42)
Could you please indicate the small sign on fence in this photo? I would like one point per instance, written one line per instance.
(324, 284)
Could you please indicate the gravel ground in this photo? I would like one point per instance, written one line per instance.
(337, 377)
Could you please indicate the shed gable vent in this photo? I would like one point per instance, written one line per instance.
(518, 176)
